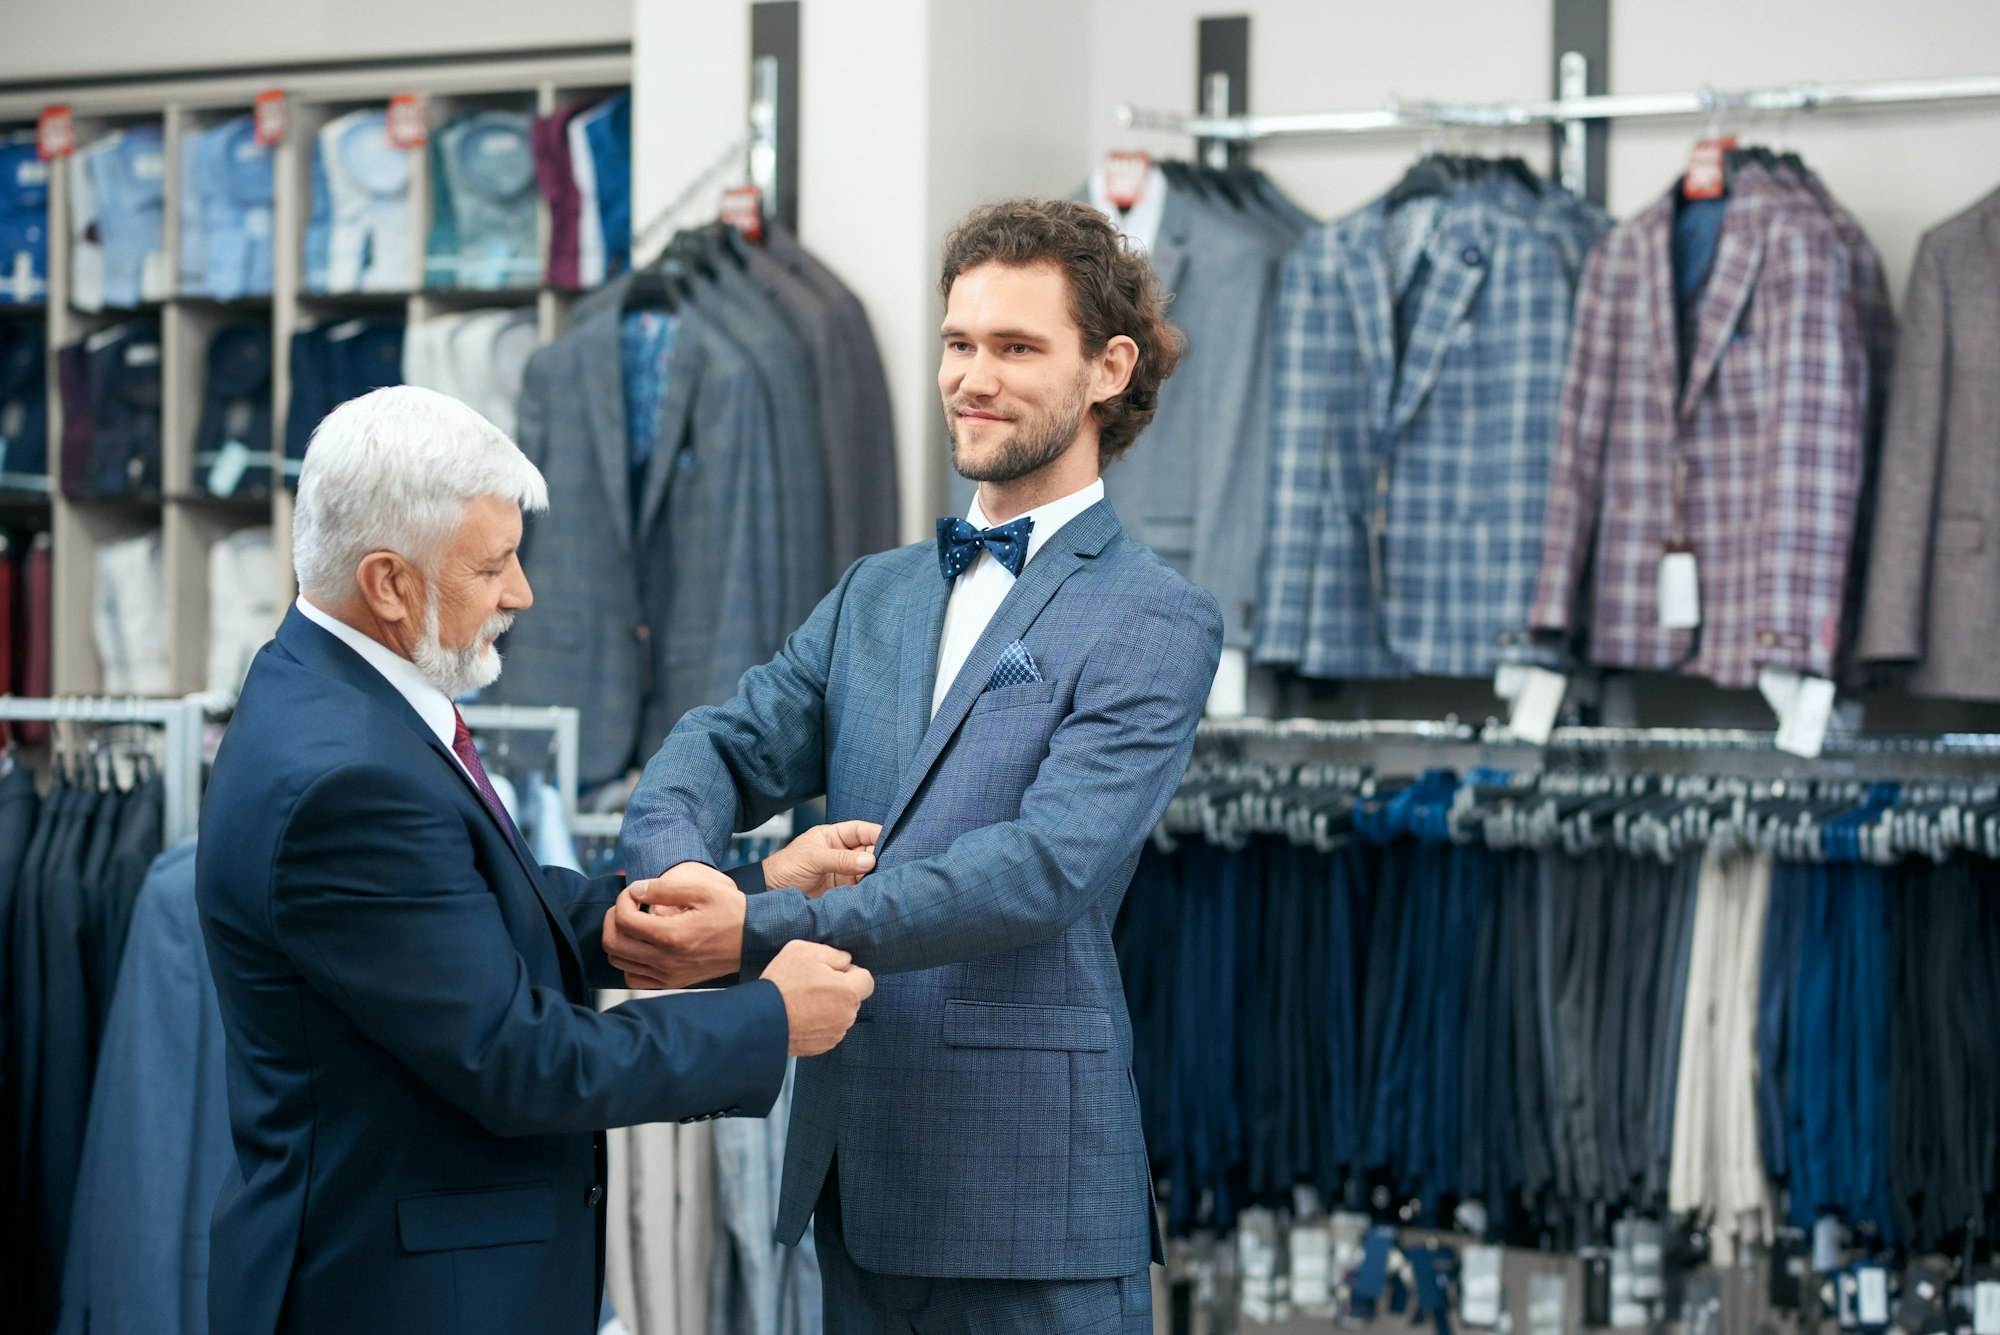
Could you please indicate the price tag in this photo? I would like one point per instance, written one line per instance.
(1826, 1244)
(1229, 697)
(226, 474)
(1125, 178)
(406, 125)
(1707, 177)
(1508, 680)
(1537, 704)
(1648, 1260)
(743, 209)
(1311, 1249)
(1986, 1307)
(55, 133)
(1802, 731)
(1872, 1297)
(1479, 1287)
(1680, 591)
(268, 117)
(1547, 1297)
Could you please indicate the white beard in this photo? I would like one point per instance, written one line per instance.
(456, 671)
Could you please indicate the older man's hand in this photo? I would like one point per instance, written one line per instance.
(824, 857)
(678, 929)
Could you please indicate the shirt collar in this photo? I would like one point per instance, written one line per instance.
(1049, 519)
(433, 706)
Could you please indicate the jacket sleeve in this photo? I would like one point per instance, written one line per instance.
(377, 903)
(586, 900)
(1111, 767)
(732, 767)
(1899, 561)
(1301, 418)
(1576, 476)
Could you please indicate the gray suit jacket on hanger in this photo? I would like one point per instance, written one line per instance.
(635, 626)
(1936, 552)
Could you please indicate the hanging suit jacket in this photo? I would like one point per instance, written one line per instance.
(1769, 429)
(1407, 486)
(416, 1076)
(636, 626)
(1935, 562)
(983, 1107)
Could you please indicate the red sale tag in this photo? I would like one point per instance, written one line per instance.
(406, 121)
(269, 111)
(743, 209)
(1707, 177)
(55, 133)
(1125, 178)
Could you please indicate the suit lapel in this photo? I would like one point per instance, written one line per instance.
(1737, 256)
(316, 648)
(1459, 258)
(1364, 271)
(916, 676)
(684, 365)
(1080, 539)
(603, 360)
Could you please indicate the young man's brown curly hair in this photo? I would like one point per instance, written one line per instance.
(1112, 291)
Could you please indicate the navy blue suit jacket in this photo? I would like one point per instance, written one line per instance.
(416, 1074)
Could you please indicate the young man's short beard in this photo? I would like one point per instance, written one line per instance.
(1034, 444)
(456, 671)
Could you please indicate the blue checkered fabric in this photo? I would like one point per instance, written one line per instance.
(1015, 668)
(982, 1109)
(1407, 490)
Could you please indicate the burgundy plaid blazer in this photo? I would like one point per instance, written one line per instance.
(1768, 430)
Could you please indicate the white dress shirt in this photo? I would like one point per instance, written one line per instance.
(433, 706)
(982, 587)
(590, 257)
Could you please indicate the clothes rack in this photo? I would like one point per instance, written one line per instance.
(1451, 732)
(181, 721)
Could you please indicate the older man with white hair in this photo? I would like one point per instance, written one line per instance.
(416, 1074)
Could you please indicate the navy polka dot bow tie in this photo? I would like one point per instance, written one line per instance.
(959, 542)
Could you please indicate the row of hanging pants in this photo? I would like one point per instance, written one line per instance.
(1406, 1022)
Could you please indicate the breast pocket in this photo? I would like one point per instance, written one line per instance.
(1013, 697)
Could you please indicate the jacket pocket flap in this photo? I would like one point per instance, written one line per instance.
(985, 1024)
(1006, 697)
(489, 1217)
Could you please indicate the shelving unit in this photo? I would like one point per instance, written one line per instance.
(189, 520)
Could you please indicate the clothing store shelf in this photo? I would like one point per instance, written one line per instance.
(1451, 732)
(1424, 115)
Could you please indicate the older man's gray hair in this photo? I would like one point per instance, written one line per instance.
(393, 471)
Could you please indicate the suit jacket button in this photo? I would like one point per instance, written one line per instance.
(594, 1197)
(1472, 257)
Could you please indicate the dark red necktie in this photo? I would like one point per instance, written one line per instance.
(462, 747)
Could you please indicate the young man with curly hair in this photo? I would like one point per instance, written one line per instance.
(1013, 704)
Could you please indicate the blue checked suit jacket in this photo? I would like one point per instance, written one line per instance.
(1407, 491)
(983, 1108)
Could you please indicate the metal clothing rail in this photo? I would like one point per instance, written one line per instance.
(561, 722)
(180, 720)
(1451, 732)
(1426, 115)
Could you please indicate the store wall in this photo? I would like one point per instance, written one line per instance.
(53, 39)
(1900, 170)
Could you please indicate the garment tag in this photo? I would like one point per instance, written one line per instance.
(1680, 591)
(1548, 1296)
(227, 472)
(1826, 1244)
(743, 209)
(155, 278)
(268, 117)
(31, 172)
(1706, 178)
(1986, 1307)
(1508, 679)
(1479, 1287)
(1229, 696)
(346, 329)
(55, 133)
(142, 354)
(406, 125)
(1802, 731)
(1259, 1295)
(1844, 1310)
(1626, 1310)
(149, 166)
(1536, 706)
(257, 224)
(1125, 178)
(1648, 1260)
(1780, 689)
(1872, 1298)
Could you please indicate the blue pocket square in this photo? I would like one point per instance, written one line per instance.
(1015, 668)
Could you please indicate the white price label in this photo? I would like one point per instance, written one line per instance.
(1680, 592)
(1986, 1307)
(1802, 731)
(226, 474)
(1873, 1297)
(1536, 707)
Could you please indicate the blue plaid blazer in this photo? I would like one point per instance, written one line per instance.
(1407, 490)
(983, 1107)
